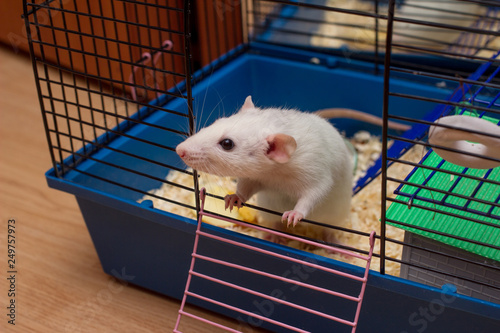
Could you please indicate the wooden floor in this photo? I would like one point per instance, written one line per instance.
(59, 285)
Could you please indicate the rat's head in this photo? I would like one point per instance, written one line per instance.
(242, 145)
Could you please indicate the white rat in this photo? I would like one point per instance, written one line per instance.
(296, 162)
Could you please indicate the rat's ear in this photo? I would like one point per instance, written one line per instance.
(281, 147)
(248, 104)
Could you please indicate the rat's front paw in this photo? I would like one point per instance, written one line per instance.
(232, 200)
(292, 217)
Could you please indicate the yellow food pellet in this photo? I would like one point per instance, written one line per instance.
(247, 214)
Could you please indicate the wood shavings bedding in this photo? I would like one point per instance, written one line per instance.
(365, 207)
(358, 32)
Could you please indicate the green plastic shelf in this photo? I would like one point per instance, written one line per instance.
(428, 213)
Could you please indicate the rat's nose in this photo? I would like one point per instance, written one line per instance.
(180, 151)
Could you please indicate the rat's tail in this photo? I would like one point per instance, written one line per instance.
(358, 115)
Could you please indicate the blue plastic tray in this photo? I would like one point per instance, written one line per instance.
(152, 248)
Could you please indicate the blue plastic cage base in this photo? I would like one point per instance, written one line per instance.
(154, 247)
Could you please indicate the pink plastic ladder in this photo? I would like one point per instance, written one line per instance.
(197, 256)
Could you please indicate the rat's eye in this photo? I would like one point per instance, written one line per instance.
(227, 144)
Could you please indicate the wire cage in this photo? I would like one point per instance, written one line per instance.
(122, 82)
(448, 207)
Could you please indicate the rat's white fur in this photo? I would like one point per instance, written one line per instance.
(315, 181)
